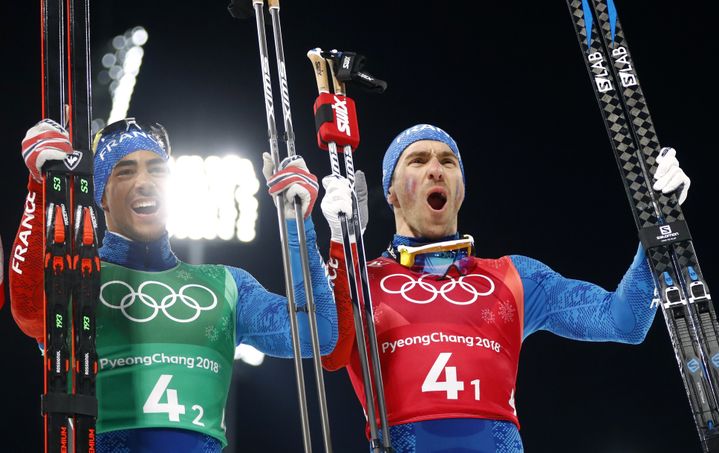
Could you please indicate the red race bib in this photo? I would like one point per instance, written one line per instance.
(449, 346)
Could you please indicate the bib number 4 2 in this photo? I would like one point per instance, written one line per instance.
(451, 385)
(171, 406)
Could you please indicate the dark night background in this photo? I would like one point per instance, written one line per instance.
(506, 79)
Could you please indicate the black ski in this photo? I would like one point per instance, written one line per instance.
(683, 294)
(86, 261)
(71, 262)
(56, 403)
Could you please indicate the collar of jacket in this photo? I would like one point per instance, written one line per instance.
(150, 256)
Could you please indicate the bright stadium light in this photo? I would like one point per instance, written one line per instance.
(139, 36)
(126, 77)
(122, 66)
(249, 355)
(212, 198)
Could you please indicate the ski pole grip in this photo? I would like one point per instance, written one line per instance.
(320, 66)
(274, 3)
(336, 121)
(339, 86)
(258, 2)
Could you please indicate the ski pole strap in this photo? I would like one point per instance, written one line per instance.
(65, 403)
(347, 64)
(323, 114)
(349, 68)
(336, 121)
(659, 235)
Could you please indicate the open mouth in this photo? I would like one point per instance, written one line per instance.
(145, 207)
(437, 200)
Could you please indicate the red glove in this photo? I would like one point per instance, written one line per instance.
(292, 179)
(45, 141)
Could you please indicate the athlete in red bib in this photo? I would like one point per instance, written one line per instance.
(450, 325)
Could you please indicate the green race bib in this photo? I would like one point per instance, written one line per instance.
(166, 343)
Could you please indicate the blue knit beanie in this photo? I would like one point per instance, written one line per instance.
(406, 138)
(114, 145)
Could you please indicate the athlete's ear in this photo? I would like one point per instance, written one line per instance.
(103, 201)
(392, 198)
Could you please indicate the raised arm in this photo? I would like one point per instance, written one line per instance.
(262, 316)
(583, 311)
(45, 141)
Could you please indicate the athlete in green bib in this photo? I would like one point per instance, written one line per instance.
(167, 330)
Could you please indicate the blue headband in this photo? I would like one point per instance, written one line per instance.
(406, 138)
(115, 145)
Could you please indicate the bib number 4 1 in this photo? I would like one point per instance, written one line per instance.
(450, 385)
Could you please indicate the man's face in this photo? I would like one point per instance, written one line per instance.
(134, 198)
(427, 190)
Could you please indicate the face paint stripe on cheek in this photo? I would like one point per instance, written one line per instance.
(410, 188)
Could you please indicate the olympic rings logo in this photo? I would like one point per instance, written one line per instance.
(167, 302)
(427, 292)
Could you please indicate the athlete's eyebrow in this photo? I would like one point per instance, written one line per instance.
(446, 153)
(425, 152)
(156, 161)
(417, 152)
(125, 163)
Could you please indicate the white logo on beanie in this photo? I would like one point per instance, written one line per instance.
(115, 142)
(419, 128)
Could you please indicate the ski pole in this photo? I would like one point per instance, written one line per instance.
(258, 6)
(351, 227)
(362, 262)
(238, 11)
(274, 6)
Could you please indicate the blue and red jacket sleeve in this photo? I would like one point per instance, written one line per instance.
(262, 316)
